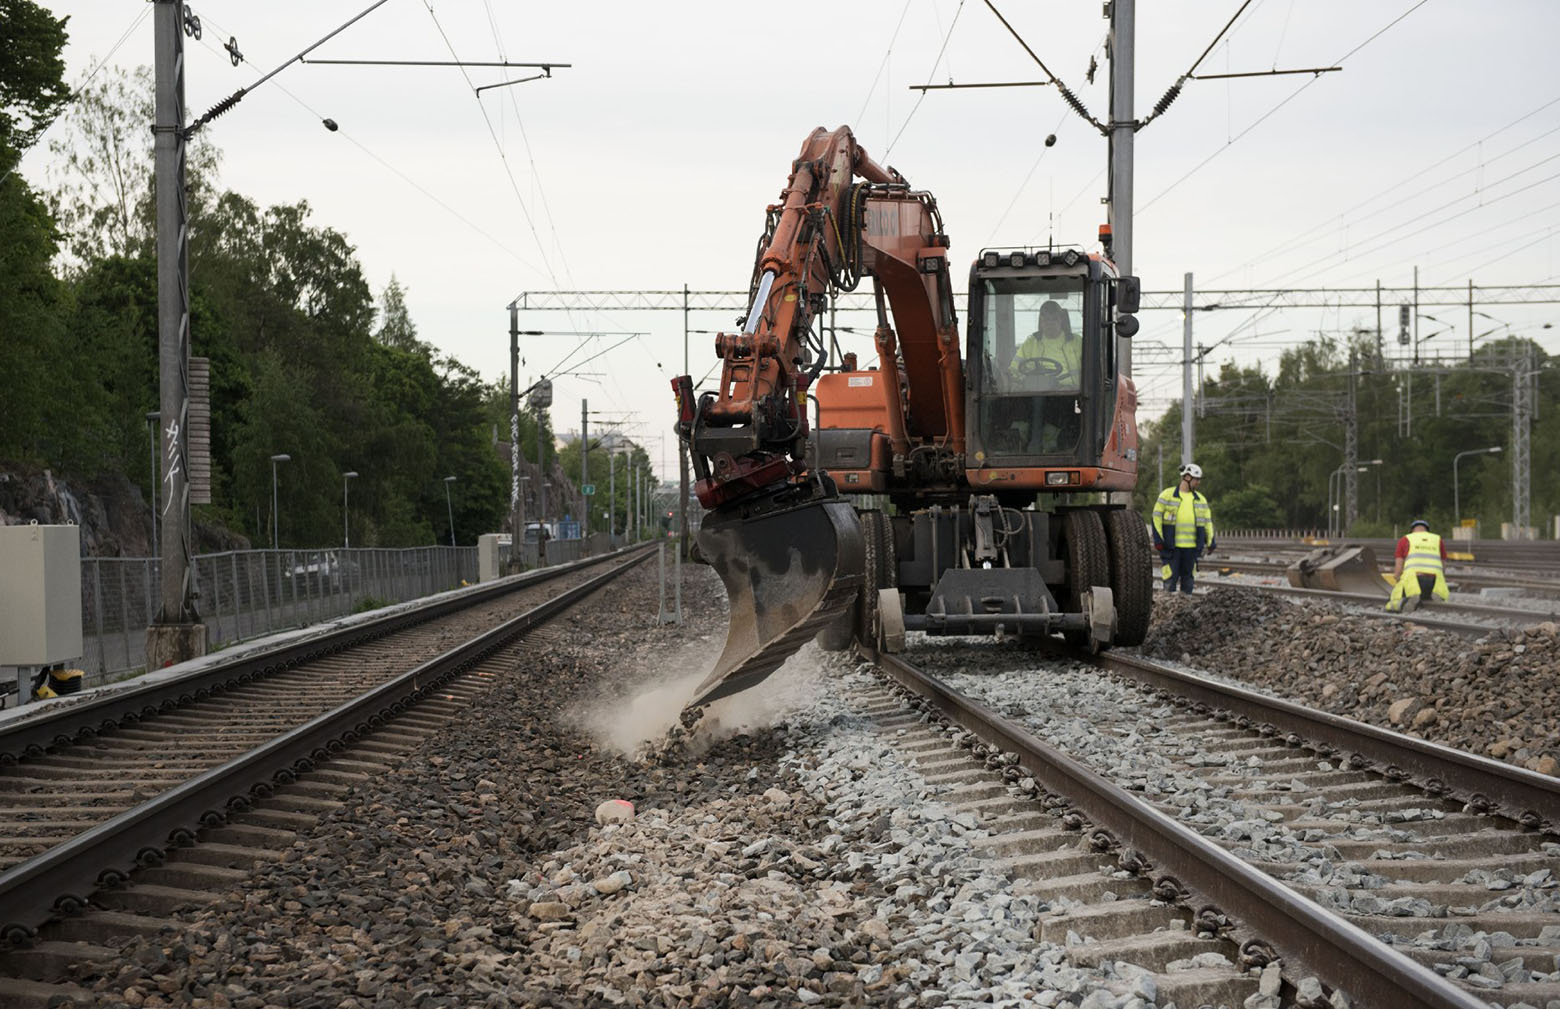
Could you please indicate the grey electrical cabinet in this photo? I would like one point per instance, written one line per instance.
(40, 595)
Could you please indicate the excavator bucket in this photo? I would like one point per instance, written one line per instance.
(788, 573)
(1340, 569)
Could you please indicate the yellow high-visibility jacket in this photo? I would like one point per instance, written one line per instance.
(1424, 558)
(1182, 520)
(1066, 352)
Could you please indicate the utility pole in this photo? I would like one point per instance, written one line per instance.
(541, 502)
(1187, 432)
(516, 505)
(1521, 459)
(683, 544)
(1350, 452)
(584, 468)
(1123, 128)
(177, 634)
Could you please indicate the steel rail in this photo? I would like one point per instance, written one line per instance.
(1317, 941)
(1488, 786)
(65, 724)
(1456, 575)
(61, 880)
(1425, 615)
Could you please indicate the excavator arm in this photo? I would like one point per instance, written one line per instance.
(751, 432)
(790, 551)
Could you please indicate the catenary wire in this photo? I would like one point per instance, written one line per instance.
(887, 54)
(1344, 219)
(941, 51)
(1270, 112)
(433, 197)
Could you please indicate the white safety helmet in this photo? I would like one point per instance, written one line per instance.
(1192, 470)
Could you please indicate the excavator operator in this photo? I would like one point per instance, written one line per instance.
(1050, 361)
(1052, 356)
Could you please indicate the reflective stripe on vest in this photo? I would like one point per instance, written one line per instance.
(1424, 555)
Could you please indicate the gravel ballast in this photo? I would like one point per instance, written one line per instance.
(789, 857)
(1498, 695)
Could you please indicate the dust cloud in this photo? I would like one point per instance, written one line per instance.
(646, 716)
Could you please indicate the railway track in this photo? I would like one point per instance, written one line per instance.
(1540, 558)
(1457, 578)
(849, 890)
(1439, 615)
(1399, 872)
(117, 811)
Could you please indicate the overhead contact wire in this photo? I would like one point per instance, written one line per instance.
(1268, 114)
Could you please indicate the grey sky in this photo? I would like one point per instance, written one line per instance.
(648, 163)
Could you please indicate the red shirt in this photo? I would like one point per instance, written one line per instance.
(1402, 549)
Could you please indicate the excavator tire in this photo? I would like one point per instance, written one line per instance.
(872, 529)
(1131, 574)
(1088, 563)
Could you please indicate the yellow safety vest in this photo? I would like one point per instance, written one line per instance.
(1424, 558)
(1067, 353)
(1183, 520)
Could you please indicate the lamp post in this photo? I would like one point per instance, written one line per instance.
(1333, 506)
(276, 518)
(1456, 497)
(346, 532)
(449, 508)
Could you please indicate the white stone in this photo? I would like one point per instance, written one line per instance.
(615, 811)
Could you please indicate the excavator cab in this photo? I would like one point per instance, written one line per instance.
(1040, 368)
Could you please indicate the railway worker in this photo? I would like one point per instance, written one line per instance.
(1420, 568)
(1183, 529)
(1053, 353)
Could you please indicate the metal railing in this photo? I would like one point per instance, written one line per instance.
(250, 593)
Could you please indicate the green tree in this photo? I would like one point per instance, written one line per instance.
(395, 322)
(1286, 434)
(32, 76)
(1250, 507)
(31, 318)
(32, 91)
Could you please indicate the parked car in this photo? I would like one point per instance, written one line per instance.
(321, 570)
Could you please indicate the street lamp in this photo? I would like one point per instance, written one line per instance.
(276, 519)
(346, 533)
(449, 508)
(1333, 505)
(1456, 497)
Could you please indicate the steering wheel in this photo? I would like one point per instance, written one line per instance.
(1043, 367)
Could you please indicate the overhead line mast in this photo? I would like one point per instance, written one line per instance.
(1123, 126)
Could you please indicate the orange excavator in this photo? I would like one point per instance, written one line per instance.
(947, 446)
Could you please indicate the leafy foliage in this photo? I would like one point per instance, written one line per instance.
(32, 76)
(302, 363)
(1271, 446)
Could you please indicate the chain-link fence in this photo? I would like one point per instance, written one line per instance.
(246, 594)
